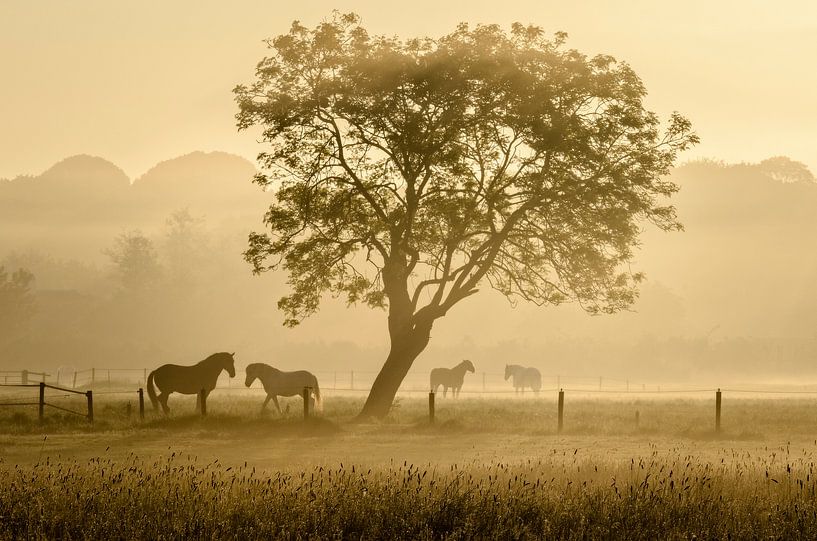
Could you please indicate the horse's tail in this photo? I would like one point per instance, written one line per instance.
(151, 391)
(318, 401)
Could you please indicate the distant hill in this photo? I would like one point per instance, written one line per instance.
(80, 189)
(216, 184)
(76, 207)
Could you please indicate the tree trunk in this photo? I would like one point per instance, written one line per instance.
(405, 347)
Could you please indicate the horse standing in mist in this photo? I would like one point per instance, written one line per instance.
(172, 378)
(279, 383)
(450, 377)
(524, 376)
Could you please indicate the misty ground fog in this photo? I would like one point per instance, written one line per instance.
(714, 307)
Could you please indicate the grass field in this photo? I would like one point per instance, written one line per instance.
(487, 468)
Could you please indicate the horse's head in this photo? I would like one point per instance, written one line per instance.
(252, 373)
(508, 371)
(469, 366)
(228, 363)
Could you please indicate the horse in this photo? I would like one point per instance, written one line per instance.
(450, 377)
(524, 377)
(172, 378)
(279, 383)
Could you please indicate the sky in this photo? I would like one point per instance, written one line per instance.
(137, 82)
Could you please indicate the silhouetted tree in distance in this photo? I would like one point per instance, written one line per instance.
(16, 300)
(136, 265)
(185, 247)
(785, 169)
(408, 173)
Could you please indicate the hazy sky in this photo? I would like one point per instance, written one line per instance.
(141, 81)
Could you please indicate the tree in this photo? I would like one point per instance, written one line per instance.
(186, 250)
(784, 169)
(408, 173)
(136, 265)
(16, 300)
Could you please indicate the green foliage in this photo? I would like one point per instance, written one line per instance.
(409, 172)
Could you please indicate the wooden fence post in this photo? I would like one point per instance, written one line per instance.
(306, 402)
(144, 376)
(599, 383)
(718, 411)
(141, 404)
(24, 377)
(352, 386)
(93, 375)
(483, 382)
(74, 386)
(203, 400)
(561, 409)
(90, 396)
(42, 401)
(431, 407)
(637, 418)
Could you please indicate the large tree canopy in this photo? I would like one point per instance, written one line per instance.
(407, 173)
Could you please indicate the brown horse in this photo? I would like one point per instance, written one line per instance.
(524, 377)
(172, 378)
(450, 377)
(279, 383)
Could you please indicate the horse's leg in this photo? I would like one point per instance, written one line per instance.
(277, 406)
(206, 395)
(266, 401)
(163, 401)
(445, 390)
(198, 402)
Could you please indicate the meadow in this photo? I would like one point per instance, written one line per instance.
(487, 468)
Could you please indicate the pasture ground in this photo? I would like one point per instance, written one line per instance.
(670, 476)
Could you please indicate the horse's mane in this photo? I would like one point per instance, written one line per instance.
(261, 367)
(515, 366)
(214, 358)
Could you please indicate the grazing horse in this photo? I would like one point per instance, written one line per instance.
(172, 378)
(450, 377)
(524, 377)
(278, 383)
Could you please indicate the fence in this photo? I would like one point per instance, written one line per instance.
(307, 393)
(41, 402)
(359, 381)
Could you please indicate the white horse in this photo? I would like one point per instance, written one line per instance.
(450, 377)
(277, 383)
(524, 377)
